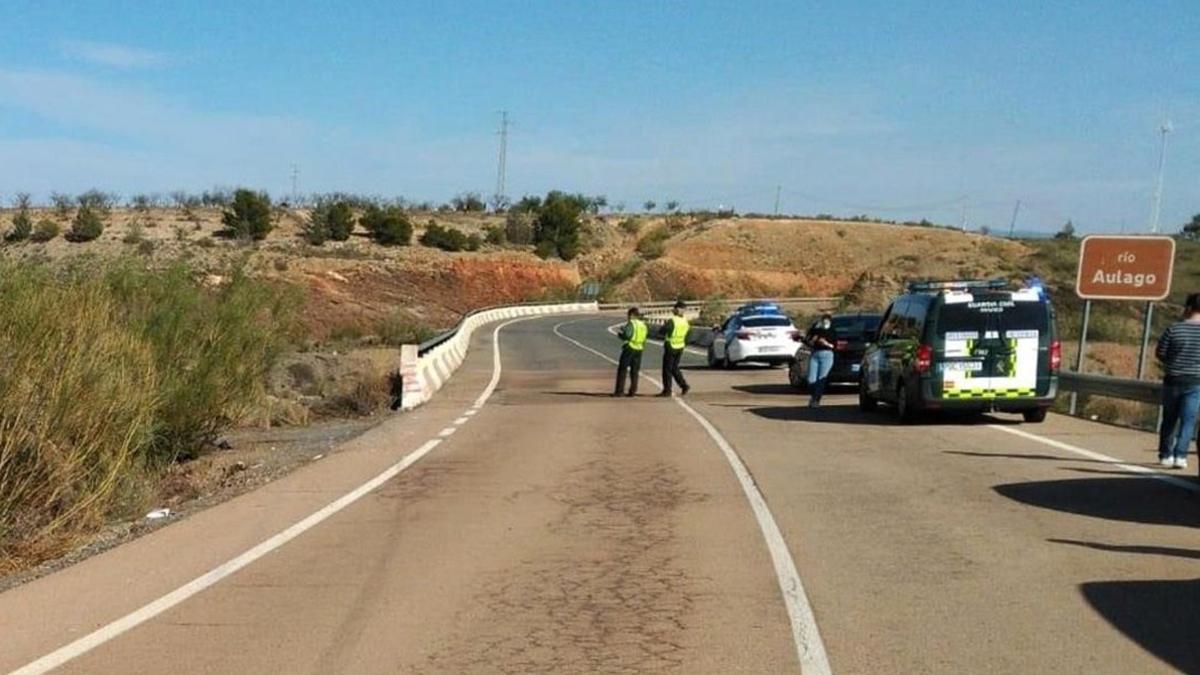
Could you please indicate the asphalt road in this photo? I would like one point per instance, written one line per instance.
(552, 528)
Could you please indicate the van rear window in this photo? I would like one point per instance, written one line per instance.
(855, 327)
(994, 312)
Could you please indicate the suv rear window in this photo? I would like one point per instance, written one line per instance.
(855, 326)
(994, 311)
(766, 321)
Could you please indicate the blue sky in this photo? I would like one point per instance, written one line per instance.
(901, 110)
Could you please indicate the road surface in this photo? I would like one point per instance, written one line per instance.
(547, 527)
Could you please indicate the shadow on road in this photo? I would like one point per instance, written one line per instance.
(1158, 615)
(785, 389)
(1171, 551)
(1135, 499)
(850, 414)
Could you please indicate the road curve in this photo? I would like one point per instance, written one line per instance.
(554, 529)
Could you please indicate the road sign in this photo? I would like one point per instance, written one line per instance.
(1125, 268)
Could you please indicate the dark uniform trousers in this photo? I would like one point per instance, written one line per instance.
(670, 368)
(631, 363)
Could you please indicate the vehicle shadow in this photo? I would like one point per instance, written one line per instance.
(851, 414)
(1159, 615)
(1135, 499)
(1037, 456)
(785, 389)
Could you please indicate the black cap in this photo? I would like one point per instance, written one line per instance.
(680, 305)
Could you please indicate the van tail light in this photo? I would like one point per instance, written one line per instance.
(1055, 356)
(743, 335)
(842, 345)
(795, 335)
(924, 359)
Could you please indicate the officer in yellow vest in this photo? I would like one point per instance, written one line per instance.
(633, 334)
(674, 335)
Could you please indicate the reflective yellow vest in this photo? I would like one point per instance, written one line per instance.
(679, 333)
(637, 340)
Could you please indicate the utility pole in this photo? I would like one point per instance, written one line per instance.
(963, 222)
(1155, 212)
(777, 188)
(1012, 227)
(295, 192)
(502, 161)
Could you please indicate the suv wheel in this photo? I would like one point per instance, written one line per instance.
(866, 402)
(712, 358)
(798, 383)
(904, 407)
(1035, 416)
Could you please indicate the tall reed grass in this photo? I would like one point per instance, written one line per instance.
(109, 371)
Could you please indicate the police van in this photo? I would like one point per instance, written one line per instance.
(964, 345)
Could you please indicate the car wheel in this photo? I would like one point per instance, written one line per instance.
(798, 381)
(904, 407)
(1035, 416)
(866, 402)
(712, 358)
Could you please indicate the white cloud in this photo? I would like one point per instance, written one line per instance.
(112, 55)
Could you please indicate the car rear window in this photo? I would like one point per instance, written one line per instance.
(994, 312)
(855, 326)
(766, 322)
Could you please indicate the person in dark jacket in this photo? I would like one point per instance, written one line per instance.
(1179, 352)
(674, 336)
(821, 341)
(633, 338)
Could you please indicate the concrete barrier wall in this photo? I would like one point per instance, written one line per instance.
(428, 373)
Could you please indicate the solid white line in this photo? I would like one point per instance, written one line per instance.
(1091, 454)
(470, 413)
(115, 628)
(810, 648)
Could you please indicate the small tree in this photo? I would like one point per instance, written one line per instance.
(558, 223)
(87, 225)
(45, 231)
(248, 215)
(672, 205)
(1067, 231)
(329, 220)
(389, 226)
(1192, 229)
(22, 222)
(649, 205)
(63, 205)
(518, 226)
(468, 201)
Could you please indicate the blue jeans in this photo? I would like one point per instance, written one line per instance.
(819, 364)
(1180, 405)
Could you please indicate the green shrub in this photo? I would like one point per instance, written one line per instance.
(449, 238)
(135, 235)
(495, 235)
(329, 220)
(518, 225)
(146, 247)
(248, 215)
(654, 244)
(558, 223)
(63, 205)
(630, 226)
(45, 230)
(389, 226)
(402, 328)
(545, 249)
(86, 226)
(22, 222)
(468, 202)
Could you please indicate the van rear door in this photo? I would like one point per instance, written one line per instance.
(992, 344)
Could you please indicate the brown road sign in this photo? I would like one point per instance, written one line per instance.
(1125, 268)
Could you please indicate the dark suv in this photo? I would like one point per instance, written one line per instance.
(965, 345)
(853, 333)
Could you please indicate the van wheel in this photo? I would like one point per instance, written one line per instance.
(904, 408)
(1035, 416)
(866, 402)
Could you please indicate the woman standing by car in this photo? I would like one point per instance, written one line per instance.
(820, 340)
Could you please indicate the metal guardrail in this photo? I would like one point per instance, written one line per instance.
(1087, 384)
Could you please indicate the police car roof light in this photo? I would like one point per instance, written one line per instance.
(957, 285)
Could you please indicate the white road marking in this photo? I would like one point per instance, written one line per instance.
(470, 413)
(448, 431)
(115, 628)
(810, 648)
(462, 420)
(1091, 454)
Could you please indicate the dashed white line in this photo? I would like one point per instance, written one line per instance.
(115, 628)
(448, 431)
(810, 648)
(462, 420)
(1091, 454)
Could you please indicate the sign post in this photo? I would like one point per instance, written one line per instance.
(1124, 268)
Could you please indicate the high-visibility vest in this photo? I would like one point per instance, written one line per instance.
(679, 333)
(637, 338)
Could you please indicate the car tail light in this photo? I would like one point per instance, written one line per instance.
(795, 335)
(743, 335)
(1055, 356)
(842, 345)
(924, 359)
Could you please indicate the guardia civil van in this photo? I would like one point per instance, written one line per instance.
(964, 345)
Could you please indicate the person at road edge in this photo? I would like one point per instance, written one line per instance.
(633, 337)
(820, 339)
(1179, 353)
(674, 336)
